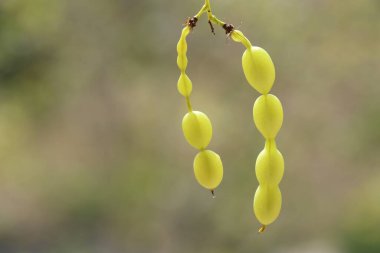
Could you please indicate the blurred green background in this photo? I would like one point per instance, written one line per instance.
(92, 157)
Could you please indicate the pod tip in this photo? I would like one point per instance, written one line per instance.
(262, 229)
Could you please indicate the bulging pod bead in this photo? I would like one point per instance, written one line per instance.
(182, 62)
(182, 45)
(197, 129)
(267, 203)
(184, 85)
(258, 69)
(208, 169)
(268, 115)
(270, 165)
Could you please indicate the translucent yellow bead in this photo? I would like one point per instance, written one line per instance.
(208, 169)
(182, 44)
(184, 85)
(197, 129)
(238, 36)
(268, 115)
(267, 203)
(258, 69)
(182, 62)
(270, 164)
(185, 31)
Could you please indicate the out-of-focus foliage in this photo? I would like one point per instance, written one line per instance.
(361, 222)
(92, 158)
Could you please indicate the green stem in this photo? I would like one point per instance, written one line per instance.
(201, 11)
(235, 34)
(217, 21)
(211, 17)
(209, 12)
(188, 103)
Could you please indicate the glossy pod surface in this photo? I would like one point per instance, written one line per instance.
(184, 85)
(270, 165)
(182, 44)
(258, 69)
(197, 129)
(182, 62)
(208, 169)
(238, 36)
(182, 49)
(268, 115)
(267, 203)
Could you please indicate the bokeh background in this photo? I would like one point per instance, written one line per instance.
(92, 157)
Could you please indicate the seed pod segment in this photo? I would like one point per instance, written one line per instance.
(267, 203)
(269, 165)
(184, 85)
(258, 69)
(182, 62)
(182, 44)
(197, 129)
(208, 169)
(268, 115)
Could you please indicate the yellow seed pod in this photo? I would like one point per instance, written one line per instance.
(238, 36)
(197, 129)
(208, 169)
(258, 69)
(268, 115)
(267, 203)
(182, 44)
(182, 62)
(184, 85)
(270, 164)
(185, 31)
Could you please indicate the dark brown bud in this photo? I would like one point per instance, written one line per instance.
(228, 28)
(192, 22)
